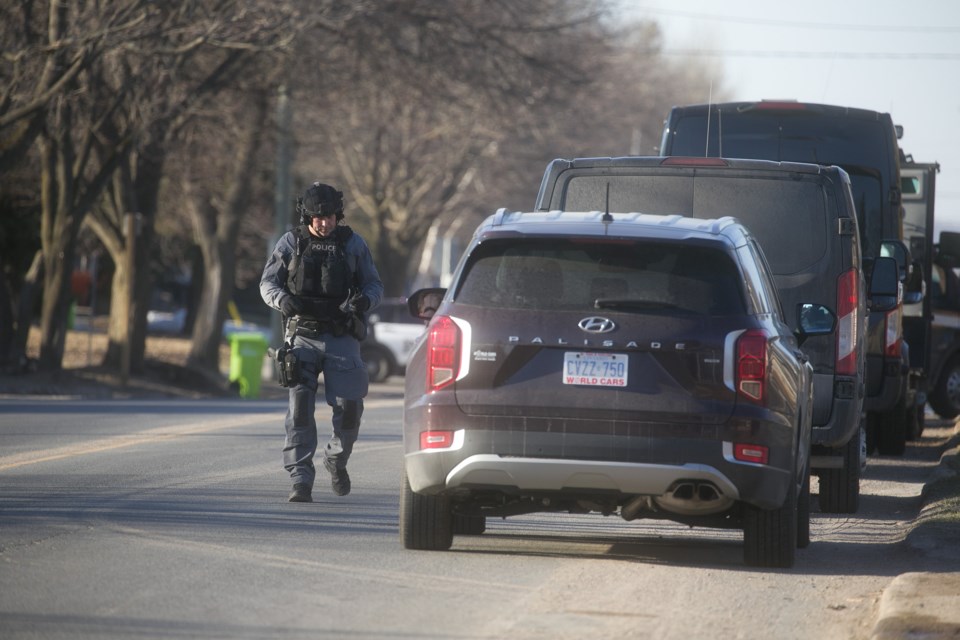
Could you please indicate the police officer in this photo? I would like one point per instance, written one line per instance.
(322, 278)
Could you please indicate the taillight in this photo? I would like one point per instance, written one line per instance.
(443, 353)
(848, 303)
(436, 439)
(892, 334)
(756, 453)
(752, 365)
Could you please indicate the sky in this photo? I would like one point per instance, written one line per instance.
(894, 56)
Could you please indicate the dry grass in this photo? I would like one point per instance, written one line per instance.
(86, 349)
(165, 373)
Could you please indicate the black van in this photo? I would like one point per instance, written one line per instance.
(804, 218)
(864, 144)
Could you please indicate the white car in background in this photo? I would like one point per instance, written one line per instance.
(393, 332)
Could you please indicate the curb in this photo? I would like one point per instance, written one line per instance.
(926, 605)
(920, 605)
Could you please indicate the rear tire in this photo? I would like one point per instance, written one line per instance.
(770, 535)
(892, 431)
(840, 488)
(803, 511)
(469, 525)
(873, 428)
(377, 362)
(426, 522)
(945, 399)
(917, 422)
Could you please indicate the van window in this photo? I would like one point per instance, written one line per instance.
(789, 219)
(659, 194)
(773, 135)
(780, 213)
(865, 147)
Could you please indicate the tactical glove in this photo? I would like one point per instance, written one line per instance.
(363, 303)
(356, 303)
(292, 305)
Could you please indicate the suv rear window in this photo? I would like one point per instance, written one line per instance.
(779, 213)
(586, 275)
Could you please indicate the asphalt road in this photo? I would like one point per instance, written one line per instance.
(168, 519)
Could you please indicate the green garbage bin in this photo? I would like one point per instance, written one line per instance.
(246, 362)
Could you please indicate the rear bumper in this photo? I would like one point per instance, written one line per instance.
(546, 474)
(886, 383)
(473, 464)
(844, 423)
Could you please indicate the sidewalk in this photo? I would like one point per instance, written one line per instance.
(927, 605)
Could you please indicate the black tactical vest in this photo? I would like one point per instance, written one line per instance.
(320, 268)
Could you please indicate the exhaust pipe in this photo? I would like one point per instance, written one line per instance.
(632, 509)
(694, 498)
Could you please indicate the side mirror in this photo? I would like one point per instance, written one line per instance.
(885, 285)
(914, 289)
(423, 303)
(897, 250)
(814, 320)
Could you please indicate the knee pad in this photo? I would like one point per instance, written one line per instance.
(352, 410)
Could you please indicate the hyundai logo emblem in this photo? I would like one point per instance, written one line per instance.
(596, 324)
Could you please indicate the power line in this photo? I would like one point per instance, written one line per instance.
(900, 28)
(827, 55)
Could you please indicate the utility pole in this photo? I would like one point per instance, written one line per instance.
(635, 141)
(130, 231)
(282, 197)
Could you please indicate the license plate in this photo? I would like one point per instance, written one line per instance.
(595, 369)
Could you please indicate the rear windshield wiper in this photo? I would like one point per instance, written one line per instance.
(632, 303)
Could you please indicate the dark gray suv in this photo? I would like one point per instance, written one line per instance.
(623, 364)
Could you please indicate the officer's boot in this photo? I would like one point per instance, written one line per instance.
(334, 461)
(346, 427)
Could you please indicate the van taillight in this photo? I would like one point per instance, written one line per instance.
(848, 303)
(752, 365)
(892, 334)
(443, 353)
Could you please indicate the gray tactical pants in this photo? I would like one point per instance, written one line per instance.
(345, 383)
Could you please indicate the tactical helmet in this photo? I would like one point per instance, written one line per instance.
(320, 200)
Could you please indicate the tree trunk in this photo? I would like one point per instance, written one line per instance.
(130, 297)
(139, 190)
(7, 325)
(55, 308)
(127, 329)
(218, 243)
(59, 226)
(208, 328)
(28, 294)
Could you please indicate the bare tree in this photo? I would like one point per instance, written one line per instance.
(192, 54)
(419, 96)
(58, 42)
(42, 59)
(618, 112)
(428, 114)
(217, 202)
